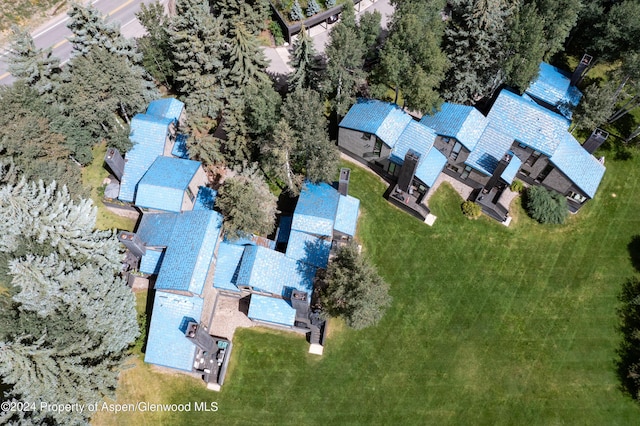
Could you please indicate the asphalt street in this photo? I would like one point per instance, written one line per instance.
(55, 33)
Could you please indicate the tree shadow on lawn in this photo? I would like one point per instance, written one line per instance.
(634, 252)
(628, 362)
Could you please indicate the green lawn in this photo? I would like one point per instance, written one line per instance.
(489, 325)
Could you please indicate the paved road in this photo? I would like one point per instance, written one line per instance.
(55, 32)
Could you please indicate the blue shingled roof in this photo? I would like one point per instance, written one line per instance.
(167, 344)
(163, 186)
(581, 167)
(155, 228)
(205, 199)
(272, 272)
(415, 136)
(553, 87)
(309, 249)
(151, 261)
(465, 123)
(492, 146)
(189, 251)
(512, 168)
(385, 120)
(430, 167)
(180, 147)
(166, 108)
(347, 215)
(316, 209)
(272, 310)
(527, 122)
(227, 266)
(148, 135)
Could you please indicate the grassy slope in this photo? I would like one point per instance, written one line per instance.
(92, 177)
(489, 325)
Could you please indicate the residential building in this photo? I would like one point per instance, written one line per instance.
(524, 137)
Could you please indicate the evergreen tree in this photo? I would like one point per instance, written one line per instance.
(369, 30)
(246, 58)
(36, 67)
(354, 290)
(251, 13)
(198, 50)
(155, 47)
(100, 94)
(237, 142)
(247, 206)
(546, 206)
(526, 46)
(595, 107)
(262, 107)
(72, 317)
(330, 3)
(296, 12)
(304, 61)
(30, 139)
(559, 17)
(475, 43)
(312, 7)
(315, 156)
(411, 60)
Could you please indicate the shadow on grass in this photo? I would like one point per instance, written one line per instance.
(628, 362)
(634, 252)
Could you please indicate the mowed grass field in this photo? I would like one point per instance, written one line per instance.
(489, 325)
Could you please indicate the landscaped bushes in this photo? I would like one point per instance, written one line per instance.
(546, 206)
(471, 210)
(517, 186)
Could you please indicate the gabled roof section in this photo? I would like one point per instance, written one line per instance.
(465, 123)
(227, 266)
(347, 215)
(316, 209)
(308, 249)
(164, 184)
(492, 146)
(166, 343)
(155, 229)
(189, 251)
(271, 310)
(415, 136)
(386, 121)
(272, 272)
(512, 168)
(180, 147)
(581, 167)
(151, 261)
(430, 167)
(527, 122)
(170, 108)
(553, 87)
(148, 135)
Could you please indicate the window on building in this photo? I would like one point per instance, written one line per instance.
(533, 158)
(456, 150)
(392, 168)
(465, 172)
(190, 194)
(445, 140)
(544, 173)
(521, 145)
(377, 148)
(366, 136)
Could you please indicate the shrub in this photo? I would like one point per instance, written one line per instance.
(471, 209)
(330, 3)
(517, 186)
(276, 32)
(546, 206)
(313, 8)
(296, 12)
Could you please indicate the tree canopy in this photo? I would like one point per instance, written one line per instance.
(546, 206)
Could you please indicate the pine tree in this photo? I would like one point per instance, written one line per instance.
(312, 7)
(36, 67)
(546, 206)
(262, 107)
(330, 3)
(198, 50)
(155, 48)
(246, 58)
(296, 12)
(559, 17)
(251, 13)
(304, 61)
(72, 316)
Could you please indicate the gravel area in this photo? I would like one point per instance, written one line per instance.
(230, 313)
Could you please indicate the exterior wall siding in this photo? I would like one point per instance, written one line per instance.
(558, 182)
